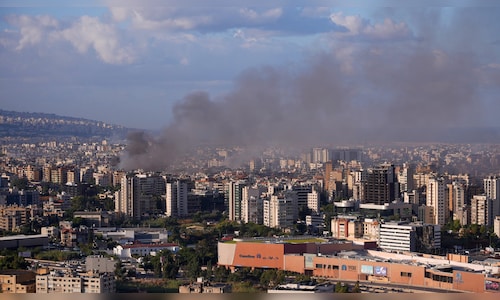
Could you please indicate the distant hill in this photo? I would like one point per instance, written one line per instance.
(41, 125)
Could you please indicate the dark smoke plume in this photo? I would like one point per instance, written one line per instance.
(385, 95)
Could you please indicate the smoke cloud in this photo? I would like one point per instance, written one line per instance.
(375, 93)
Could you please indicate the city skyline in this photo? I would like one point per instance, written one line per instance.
(385, 66)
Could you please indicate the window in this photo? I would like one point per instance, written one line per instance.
(405, 274)
(319, 266)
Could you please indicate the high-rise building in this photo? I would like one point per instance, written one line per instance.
(302, 191)
(496, 226)
(482, 210)
(176, 199)
(436, 198)
(405, 178)
(251, 205)
(320, 155)
(280, 211)
(380, 185)
(139, 195)
(313, 201)
(456, 202)
(234, 194)
(491, 185)
(346, 155)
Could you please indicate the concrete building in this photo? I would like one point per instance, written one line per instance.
(404, 236)
(205, 287)
(456, 202)
(320, 155)
(404, 177)
(21, 240)
(313, 202)
(491, 185)
(100, 264)
(126, 251)
(380, 185)
(344, 262)
(280, 211)
(176, 199)
(94, 218)
(251, 205)
(12, 217)
(90, 282)
(347, 227)
(234, 194)
(496, 226)
(481, 210)
(17, 281)
(436, 198)
(139, 195)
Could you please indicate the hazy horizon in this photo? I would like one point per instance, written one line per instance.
(284, 72)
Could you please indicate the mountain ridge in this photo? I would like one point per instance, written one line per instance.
(15, 124)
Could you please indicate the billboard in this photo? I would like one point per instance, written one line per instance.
(308, 260)
(366, 269)
(491, 285)
(380, 271)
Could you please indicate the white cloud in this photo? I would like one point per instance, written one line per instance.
(357, 26)
(388, 29)
(268, 15)
(353, 24)
(140, 21)
(32, 29)
(89, 32)
(120, 14)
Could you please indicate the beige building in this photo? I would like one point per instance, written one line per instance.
(58, 282)
(346, 227)
(13, 216)
(204, 287)
(17, 281)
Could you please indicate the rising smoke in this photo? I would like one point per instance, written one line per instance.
(382, 94)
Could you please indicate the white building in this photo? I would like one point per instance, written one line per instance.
(280, 211)
(176, 199)
(126, 251)
(402, 236)
(436, 198)
(251, 205)
(496, 226)
(313, 201)
(491, 186)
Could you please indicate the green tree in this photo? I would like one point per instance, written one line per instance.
(13, 262)
(340, 288)
(120, 270)
(20, 183)
(356, 288)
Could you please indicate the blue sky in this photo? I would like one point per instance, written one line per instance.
(132, 63)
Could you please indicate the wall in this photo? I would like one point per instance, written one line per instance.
(259, 255)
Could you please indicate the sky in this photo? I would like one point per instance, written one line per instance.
(255, 70)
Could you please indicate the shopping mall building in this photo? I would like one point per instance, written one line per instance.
(345, 260)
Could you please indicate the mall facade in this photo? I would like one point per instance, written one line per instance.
(339, 260)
